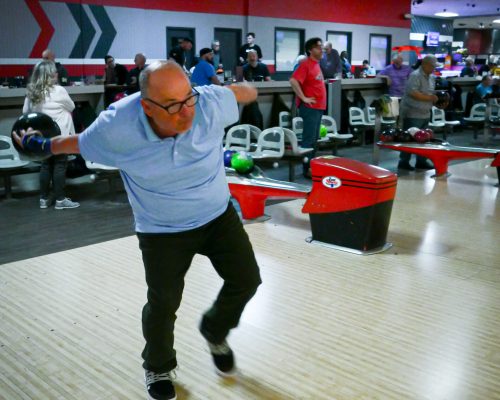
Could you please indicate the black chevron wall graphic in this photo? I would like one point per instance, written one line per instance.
(108, 32)
(88, 32)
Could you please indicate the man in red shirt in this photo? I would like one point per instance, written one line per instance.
(308, 84)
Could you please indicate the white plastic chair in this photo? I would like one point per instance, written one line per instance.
(298, 127)
(292, 147)
(332, 133)
(331, 127)
(495, 110)
(104, 172)
(477, 117)
(438, 120)
(477, 113)
(9, 162)
(238, 138)
(370, 117)
(358, 122)
(93, 166)
(285, 119)
(255, 132)
(271, 144)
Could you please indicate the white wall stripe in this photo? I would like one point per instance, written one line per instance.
(417, 36)
(98, 31)
(67, 61)
(82, 61)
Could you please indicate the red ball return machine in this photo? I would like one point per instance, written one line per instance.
(349, 204)
(440, 153)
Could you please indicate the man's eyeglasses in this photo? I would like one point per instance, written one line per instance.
(174, 108)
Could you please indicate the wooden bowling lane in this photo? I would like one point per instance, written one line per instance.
(420, 321)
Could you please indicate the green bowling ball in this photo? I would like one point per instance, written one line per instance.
(242, 162)
(323, 131)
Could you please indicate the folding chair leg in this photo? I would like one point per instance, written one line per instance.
(334, 150)
(291, 171)
(8, 186)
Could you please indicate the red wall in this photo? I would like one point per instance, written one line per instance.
(381, 13)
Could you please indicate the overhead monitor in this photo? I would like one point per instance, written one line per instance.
(432, 39)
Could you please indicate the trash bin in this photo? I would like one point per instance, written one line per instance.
(350, 204)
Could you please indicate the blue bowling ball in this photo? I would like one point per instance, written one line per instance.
(228, 155)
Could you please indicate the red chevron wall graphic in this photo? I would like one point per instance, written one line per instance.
(46, 28)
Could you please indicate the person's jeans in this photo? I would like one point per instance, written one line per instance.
(53, 170)
(311, 118)
(421, 123)
(167, 257)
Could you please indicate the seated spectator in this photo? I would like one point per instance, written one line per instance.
(367, 69)
(483, 90)
(62, 74)
(486, 68)
(115, 79)
(495, 70)
(253, 70)
(133, 76)
(397, 74)
(204, 72)
(469, 69)
(346, 65)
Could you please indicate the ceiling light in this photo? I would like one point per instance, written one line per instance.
(445, 13)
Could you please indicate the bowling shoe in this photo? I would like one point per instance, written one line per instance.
(159, 385)
(223, 358)
(405, 165)
(45, 203)
(66, 203)
(424, 165)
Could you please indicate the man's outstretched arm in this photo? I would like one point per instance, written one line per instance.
(40, 145)
(244, 93)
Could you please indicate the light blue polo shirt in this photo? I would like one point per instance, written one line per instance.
(173, 184)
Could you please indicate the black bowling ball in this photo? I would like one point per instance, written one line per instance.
(43, 124)
(402, 136)
(387, 135)
(443, 100)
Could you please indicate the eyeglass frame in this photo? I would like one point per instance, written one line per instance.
(182, 103)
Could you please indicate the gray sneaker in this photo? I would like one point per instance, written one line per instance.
(45, 203)
(66, 203)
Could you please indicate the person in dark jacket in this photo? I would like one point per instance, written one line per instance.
(115, 79)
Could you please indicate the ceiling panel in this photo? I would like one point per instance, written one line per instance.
(471, 13)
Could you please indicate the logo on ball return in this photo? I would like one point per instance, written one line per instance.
(331, 182)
